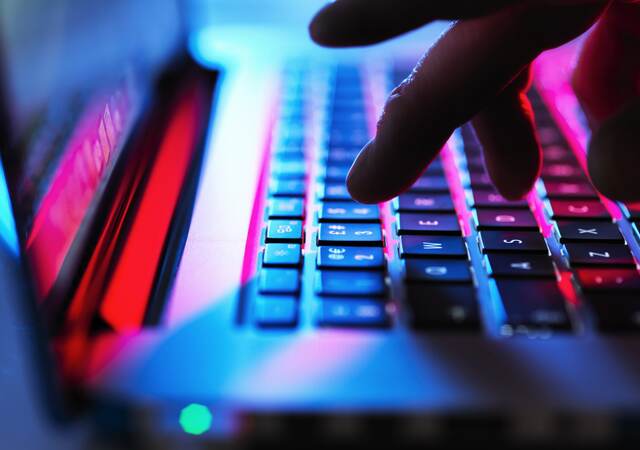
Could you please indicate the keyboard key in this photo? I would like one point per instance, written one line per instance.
(335, 173)
(549, 135)
(427, 223)
(423, 203)
(334, 191)
(512, 241)
(279, 281)
(491, 199)
(350, 258)
(432, 247)
(566, 189)
(353, 313)
(282, 255)
(443, 307)
(505, 265)
(430, 184)
(285, 208)
(276, 312)
(577, 209)
(615, 313)
(437, 270)
(480, 181)
(364, 234)
(608, 279)
(284, 231)
(287, 188)
(562, 171)
(586, 254)
(487, 219)
(588, 231)
(532, 304)
(348, 283)
(558, 154)
(348, 212)
(289, 169)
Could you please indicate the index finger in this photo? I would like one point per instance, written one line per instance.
(470, 65)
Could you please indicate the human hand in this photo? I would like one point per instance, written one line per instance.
(479, 70)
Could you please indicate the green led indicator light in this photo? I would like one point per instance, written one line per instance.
(195, 419)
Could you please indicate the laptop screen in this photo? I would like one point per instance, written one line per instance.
(75, 75)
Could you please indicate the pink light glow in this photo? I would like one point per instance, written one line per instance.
(552, 78)
(93, 145)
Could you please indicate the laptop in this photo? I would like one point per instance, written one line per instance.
(179, 235)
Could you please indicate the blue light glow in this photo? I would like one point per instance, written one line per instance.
(8, 235)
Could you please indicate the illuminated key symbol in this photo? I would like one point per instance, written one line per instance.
(494, 198)
(578, 209)
(361, 211)
(367, 311)
(280, 252)
(287, 206)
(337, 227)
(431, 245)
(458, 313)
(505, 218)
(428, 223)
(337, 251)
(437, 271)
(587, 231)
(284, 229)
(561, 170)
(422, 201)
(521, 265)
(335, 256)
(513, 241)
(599, 255)
(361, 257)
(363, 233)
(569, 188)
(336, 210)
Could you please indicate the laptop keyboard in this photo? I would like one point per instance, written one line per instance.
(450, 254)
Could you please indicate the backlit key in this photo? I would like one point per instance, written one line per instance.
(430, 184)
(500, 265)
(512, 241)
(531, 305)
(608, 279)
(353, 313)
(363, 234)
(276, 312)
(577, 210)
(424, 203)
(437, 270)
(348, 212)
(432, 247)
(287, 188)
(282, 255)
(586, 254)
(284, 231)
(427, 223)
(348, 282)
(443, 307)
(491, 199)
(286, 208)
(279, 281)
(487, 219)
(574, 231)
(566, 189)
(336, 257)
(334, 191)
